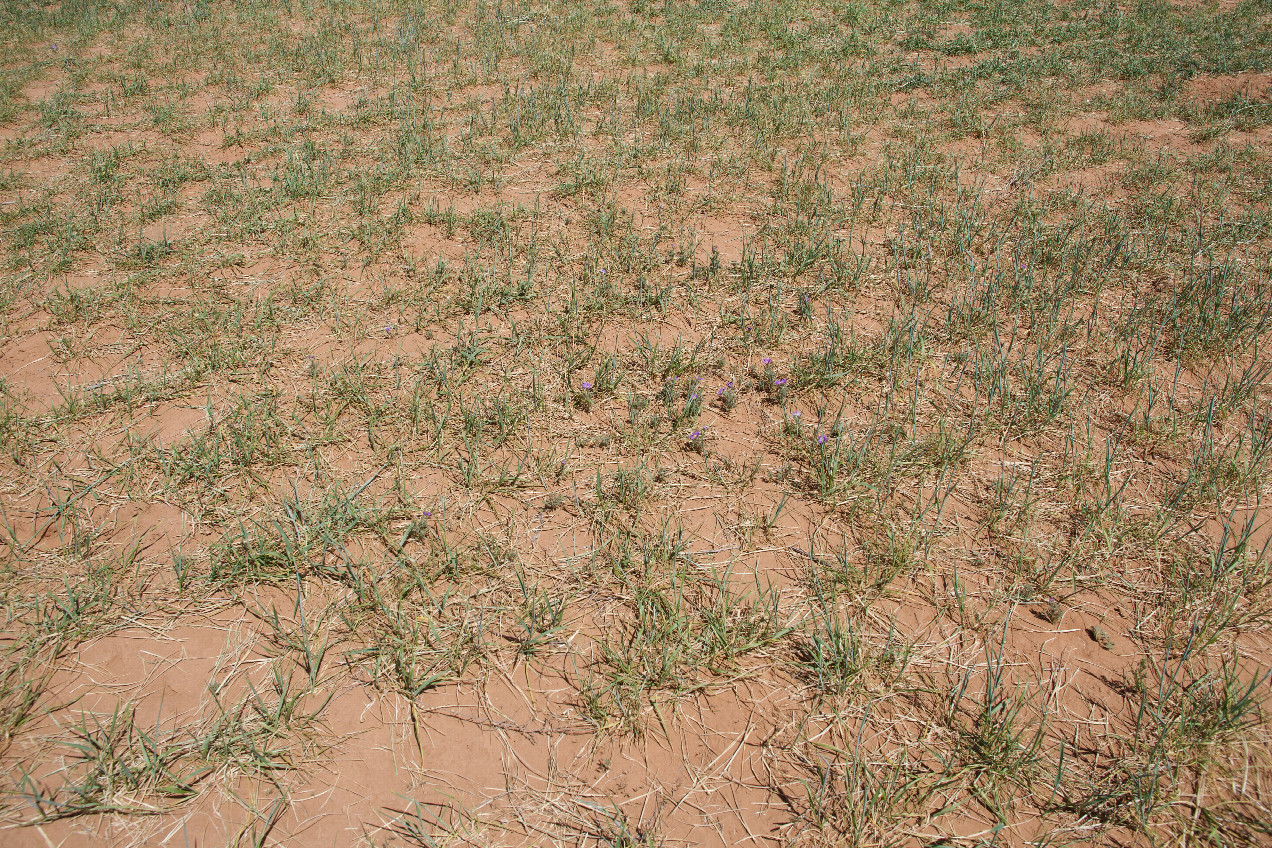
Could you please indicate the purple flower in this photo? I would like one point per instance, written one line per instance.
(694, 435)
(586, 386)
(796, 414)
(780, 382)
(602, 271)
(823, 439)
(428, 514)
(720, 392)
(767, 361)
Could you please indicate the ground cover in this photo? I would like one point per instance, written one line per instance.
(650, 423)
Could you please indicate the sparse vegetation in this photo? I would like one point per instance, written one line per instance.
(635, 423)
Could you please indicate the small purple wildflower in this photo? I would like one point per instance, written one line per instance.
(695, 434)
(586, 386)
(796, 414)
(781, 381)
(602, 271)
(767, 361)
(720, 392)
(823, 439)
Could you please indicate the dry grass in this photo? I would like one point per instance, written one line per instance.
(622, 424)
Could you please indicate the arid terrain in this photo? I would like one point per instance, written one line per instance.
(635, 423)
